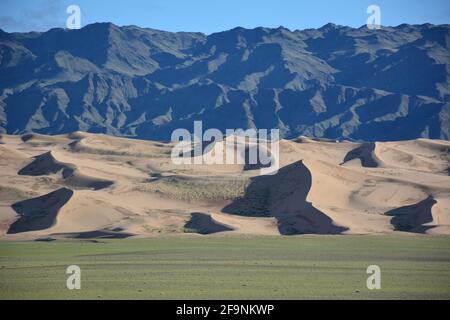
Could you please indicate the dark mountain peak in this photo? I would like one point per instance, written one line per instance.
(237, 29)
(282, 29)
(238, 37)
(404, 26)
(427, 25)
(101, 29)
(243, 31)
(101, 26)
(330, 27)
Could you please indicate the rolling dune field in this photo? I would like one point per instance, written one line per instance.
(68, 185)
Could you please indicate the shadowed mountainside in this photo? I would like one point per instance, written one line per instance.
(335, 81)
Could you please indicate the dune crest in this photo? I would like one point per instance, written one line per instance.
(46, 164)
(366, 154)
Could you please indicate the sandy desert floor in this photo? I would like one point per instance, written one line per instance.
(84, 185)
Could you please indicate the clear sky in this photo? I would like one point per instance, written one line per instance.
(210, 16)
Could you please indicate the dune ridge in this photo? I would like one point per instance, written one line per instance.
(47, 164)
(39, 213)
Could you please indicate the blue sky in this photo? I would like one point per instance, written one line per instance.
(210, 16)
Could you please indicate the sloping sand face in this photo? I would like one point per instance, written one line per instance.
(366, 154)
(413, 218)
(39, 213)
(44, 164)
(89, 185)
(283, 196)
(204, 224)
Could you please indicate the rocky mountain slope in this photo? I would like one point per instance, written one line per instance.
(335, 81)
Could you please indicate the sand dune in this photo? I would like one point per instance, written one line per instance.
(84, 185)
(74, 179)
(204, 224)
(366, 154)
(39, 213)
(413, 218)
(283, 196)
(46, 164)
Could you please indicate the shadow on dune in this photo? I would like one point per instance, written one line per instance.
(77, 180)
(43, 164)
(204, 224)
(283, 196)
(26, 137)
(46, 164)
(244, 155)
(364, 153)
(412, 218)
(206, 146)
(253, 166)
(39, 213)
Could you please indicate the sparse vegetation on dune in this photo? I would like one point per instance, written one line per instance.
(194, 189)
(12, 193)
(119, 152)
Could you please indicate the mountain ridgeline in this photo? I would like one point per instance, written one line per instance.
(333, 82)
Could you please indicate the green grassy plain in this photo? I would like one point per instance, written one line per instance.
(305, 267)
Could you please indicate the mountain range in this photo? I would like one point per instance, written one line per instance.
(333, 82)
